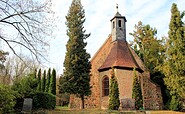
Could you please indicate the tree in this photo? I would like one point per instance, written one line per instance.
(2, 59)
(174, 64)
(7, 99)
(114, 101)
(28, 21)
(76, 77)
(48, 80)
(16, 67)
(25, 85)
(39, 80)
(147, 46)
(43, 81)
(136, 91)
(4, 77)
(52, 88)
(151, 51)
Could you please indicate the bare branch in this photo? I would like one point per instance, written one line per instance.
(27, 18)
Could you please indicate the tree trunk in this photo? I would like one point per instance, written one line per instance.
(82, 99)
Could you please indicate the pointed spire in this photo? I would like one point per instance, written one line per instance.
(117, 7)
(117, 13)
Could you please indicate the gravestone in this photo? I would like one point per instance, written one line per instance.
(128, 103)
(27, 105)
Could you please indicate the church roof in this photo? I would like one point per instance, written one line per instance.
(118, 15)
(119, 56)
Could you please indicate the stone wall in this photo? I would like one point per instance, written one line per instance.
(152, 98)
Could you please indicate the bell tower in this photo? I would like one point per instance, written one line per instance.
(118, 27)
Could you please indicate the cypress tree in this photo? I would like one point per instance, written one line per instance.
(39, 80)
(114, 101)
(136, 92)
(76, 77)
(43, 81)
(35, 73)
(52, 88)
(48, 80)
(174, 66)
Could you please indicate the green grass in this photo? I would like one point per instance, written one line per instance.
(88, 112)
(66, 110)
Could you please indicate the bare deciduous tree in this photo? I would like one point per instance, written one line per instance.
(26, 23)
(15, 67)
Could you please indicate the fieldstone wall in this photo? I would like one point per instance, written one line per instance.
(152, 98)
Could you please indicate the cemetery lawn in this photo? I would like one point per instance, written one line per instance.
(66, 110)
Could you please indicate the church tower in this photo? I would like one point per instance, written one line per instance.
(118, 27)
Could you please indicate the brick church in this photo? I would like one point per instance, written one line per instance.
(117, 53)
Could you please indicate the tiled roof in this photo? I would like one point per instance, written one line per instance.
(119, 56)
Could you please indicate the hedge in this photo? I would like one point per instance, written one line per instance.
(43, 100)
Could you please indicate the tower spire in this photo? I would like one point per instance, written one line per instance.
(116, 7)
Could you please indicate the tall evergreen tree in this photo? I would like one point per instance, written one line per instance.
(151, 51)
(52, 88)
(76, 77)
(43, 81)
(39, 80)
(48, 79)
(114, 101)
(35, 73)
(147, 46)
(136, 92)
(174, 66)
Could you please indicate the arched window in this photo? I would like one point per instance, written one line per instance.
(113, 25)
(119, 23)
(105, 86)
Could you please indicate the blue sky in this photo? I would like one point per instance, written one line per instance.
(98, 14)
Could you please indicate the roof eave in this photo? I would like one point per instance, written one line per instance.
(120, 67)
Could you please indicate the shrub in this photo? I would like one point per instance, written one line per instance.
(174, 103)
(24, 86)
(136, 92)
(43, 100)
(7, 99)
(114, 101)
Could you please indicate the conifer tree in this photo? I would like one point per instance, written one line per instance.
(136, 92)
(39, 80)
(114, 101)
(48, 80)
(35, 73)
(52, 88)
(151, 52)
(174, 66)
(76, 77)
(43, 81)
